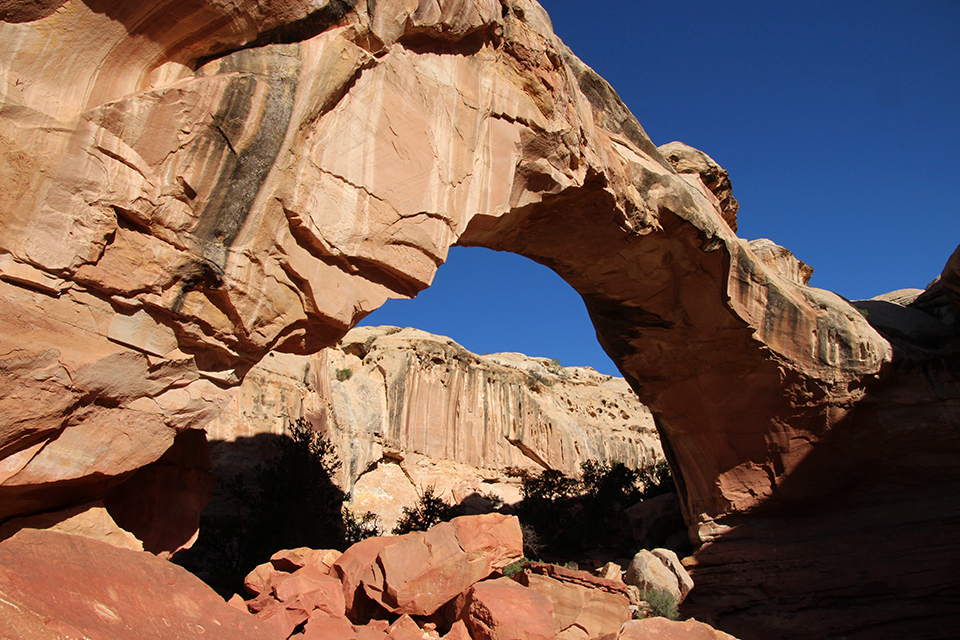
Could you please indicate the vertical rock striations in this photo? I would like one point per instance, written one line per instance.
(410, 410)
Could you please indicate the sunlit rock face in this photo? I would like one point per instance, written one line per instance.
(408, 410)
(190, 185)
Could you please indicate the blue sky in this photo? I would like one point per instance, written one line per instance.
(838, 122)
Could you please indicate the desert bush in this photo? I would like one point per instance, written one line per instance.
(430, 509)
(662, 603)
(344, 374)
(359, 527)
(566, 516)
(290, 502)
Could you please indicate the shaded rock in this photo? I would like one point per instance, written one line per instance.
(653, 519)
(501, 609)
(79, 587)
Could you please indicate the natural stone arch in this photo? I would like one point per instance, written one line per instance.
(188, 195)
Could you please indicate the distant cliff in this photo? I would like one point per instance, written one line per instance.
(409, 410)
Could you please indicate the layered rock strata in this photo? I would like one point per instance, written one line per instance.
(410, 410)
(190, 185)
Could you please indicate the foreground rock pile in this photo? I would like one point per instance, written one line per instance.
(448, 580)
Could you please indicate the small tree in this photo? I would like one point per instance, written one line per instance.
(430, 509)
(291, 502)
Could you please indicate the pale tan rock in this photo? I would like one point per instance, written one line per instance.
(648, 573)
(671, 561)
(437, 433)
(689, 161)
(781, 261)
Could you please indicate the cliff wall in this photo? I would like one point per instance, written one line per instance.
(410, 410)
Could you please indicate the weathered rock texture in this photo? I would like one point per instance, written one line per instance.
(189, 185)
(415, 410)
(56, 586)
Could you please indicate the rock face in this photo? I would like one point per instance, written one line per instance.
(57, 585)
(415, 410)
(190, 185)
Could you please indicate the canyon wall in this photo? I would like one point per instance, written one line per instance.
(190, 185)
(408, 410)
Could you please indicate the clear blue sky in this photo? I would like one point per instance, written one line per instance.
(839, 123)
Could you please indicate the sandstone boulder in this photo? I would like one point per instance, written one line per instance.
(671, 561)
(647, 572)
(663, 629)
(501, 609)
(584, 606)
(424, 571)
(56, 585)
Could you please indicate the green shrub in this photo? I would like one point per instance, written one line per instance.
(291, 502)
(430, 509)
(662, 603)
(360, 527)
(566, 517)
(344, 374)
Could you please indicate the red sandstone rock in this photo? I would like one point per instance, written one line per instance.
(584, 606)
(56, 585)
(501, 609)
(663, 629)
(162, 233)
(292, 559)
(406, 629)
(281, 619)
(323, 626)
(260, 581)
(458, 631)
(424, 571)
(357, 568)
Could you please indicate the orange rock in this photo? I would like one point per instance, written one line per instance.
(425, 570)
(663, 629)
(501, 609)
(80, 587)
(323, 626)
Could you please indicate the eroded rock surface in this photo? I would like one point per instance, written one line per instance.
(414, 410)
(190, 185)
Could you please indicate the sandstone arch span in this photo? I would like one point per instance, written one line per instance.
(197, 183)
